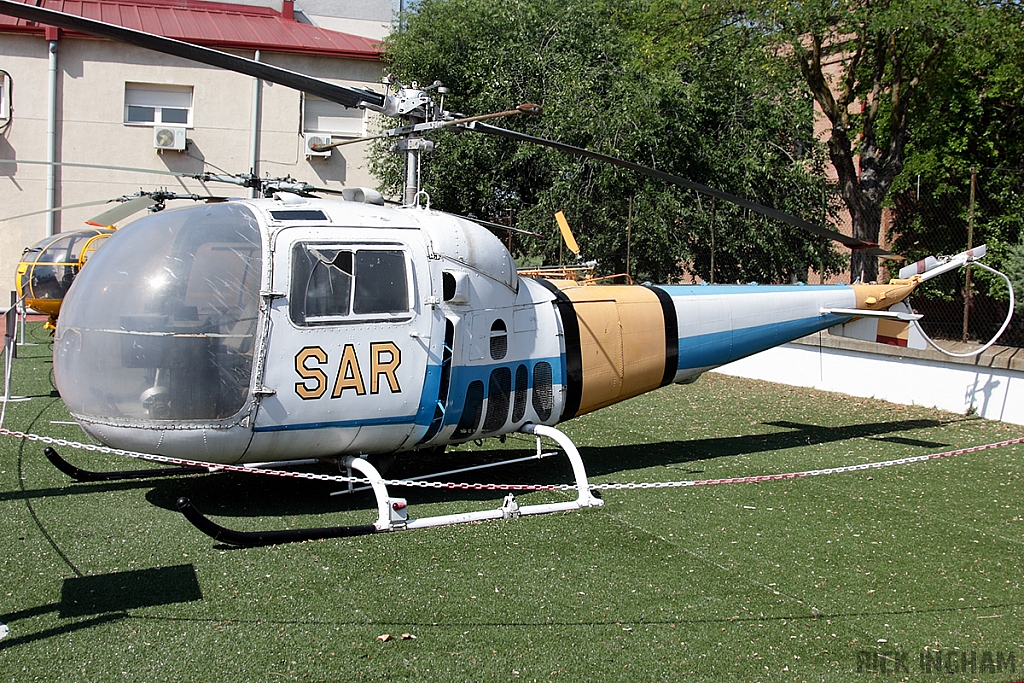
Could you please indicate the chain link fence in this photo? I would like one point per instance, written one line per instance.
(930, 219)
(938, 219)
(925, 218)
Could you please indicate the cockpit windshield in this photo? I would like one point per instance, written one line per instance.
(161, 324)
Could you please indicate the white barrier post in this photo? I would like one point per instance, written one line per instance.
(11, 329)
(10, 348)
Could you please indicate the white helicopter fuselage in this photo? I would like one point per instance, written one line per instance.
(287, 328)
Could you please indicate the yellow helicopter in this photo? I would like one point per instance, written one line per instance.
(48, 267)
(292, 327)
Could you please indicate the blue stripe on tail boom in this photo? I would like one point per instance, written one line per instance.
(719, 348)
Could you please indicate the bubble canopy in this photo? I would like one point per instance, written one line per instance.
(161, 324)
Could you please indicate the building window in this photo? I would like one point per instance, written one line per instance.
(5, 98)
(328, 118)
(148, 104)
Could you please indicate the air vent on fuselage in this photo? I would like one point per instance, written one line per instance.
(298, 215)
(499, 340)
(543, 399)
(471, 411)
(519, 403)
(499, 390)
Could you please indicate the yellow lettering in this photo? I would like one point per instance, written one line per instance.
(349, 376)
(385, 358)
(307, 373)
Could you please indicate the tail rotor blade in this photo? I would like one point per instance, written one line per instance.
(933, 266)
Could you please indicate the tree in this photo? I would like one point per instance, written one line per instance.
(971, 124)
(864, 62)
(965, 169)
(719, 115)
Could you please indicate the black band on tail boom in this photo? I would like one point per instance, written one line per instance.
(573, 351)
(668, 309)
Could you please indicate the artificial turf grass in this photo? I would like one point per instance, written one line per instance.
(778, 580)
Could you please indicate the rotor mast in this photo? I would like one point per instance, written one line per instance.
(415, 107)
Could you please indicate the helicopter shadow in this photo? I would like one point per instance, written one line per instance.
(616, 459)
(191, 161)
(103, 598)
(8, 167)
(244, 495)
(238, 494)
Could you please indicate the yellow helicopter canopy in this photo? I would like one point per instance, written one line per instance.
(48, 267)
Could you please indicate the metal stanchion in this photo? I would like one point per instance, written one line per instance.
(11, 329)
(23, 318)
(10, 349)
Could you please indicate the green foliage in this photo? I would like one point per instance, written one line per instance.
(876, 69)
(973, 123)
(1013, 265)
(714, 108)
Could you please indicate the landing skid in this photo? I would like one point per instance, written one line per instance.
(252, 539)
(78, 474)
(392, 513)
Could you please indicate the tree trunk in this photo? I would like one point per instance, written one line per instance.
(862, 190)
(866, 216)
(867, 169)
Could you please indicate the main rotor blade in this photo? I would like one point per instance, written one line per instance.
(122, 211)
(845, 240)
(567, 236)
(525, 108)
(55, 209)
(349, 97)
(498, 226)
(106, 167)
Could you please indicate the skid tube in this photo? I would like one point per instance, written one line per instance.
(78, 474)
(392, 513)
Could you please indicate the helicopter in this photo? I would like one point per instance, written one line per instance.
(291, 327)
(48, 267)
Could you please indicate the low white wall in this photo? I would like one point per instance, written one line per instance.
(994, 393)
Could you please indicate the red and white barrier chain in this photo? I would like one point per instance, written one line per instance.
(811, 473)
(165, 460)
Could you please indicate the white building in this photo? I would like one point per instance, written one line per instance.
(370, 18)
(84, 103)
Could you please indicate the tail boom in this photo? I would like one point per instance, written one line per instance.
(622, 341)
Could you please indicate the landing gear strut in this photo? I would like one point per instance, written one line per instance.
(392, 513)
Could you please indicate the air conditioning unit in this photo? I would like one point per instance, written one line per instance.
(167, 137)
(311, 140)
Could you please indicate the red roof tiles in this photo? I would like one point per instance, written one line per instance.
(213, 24)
